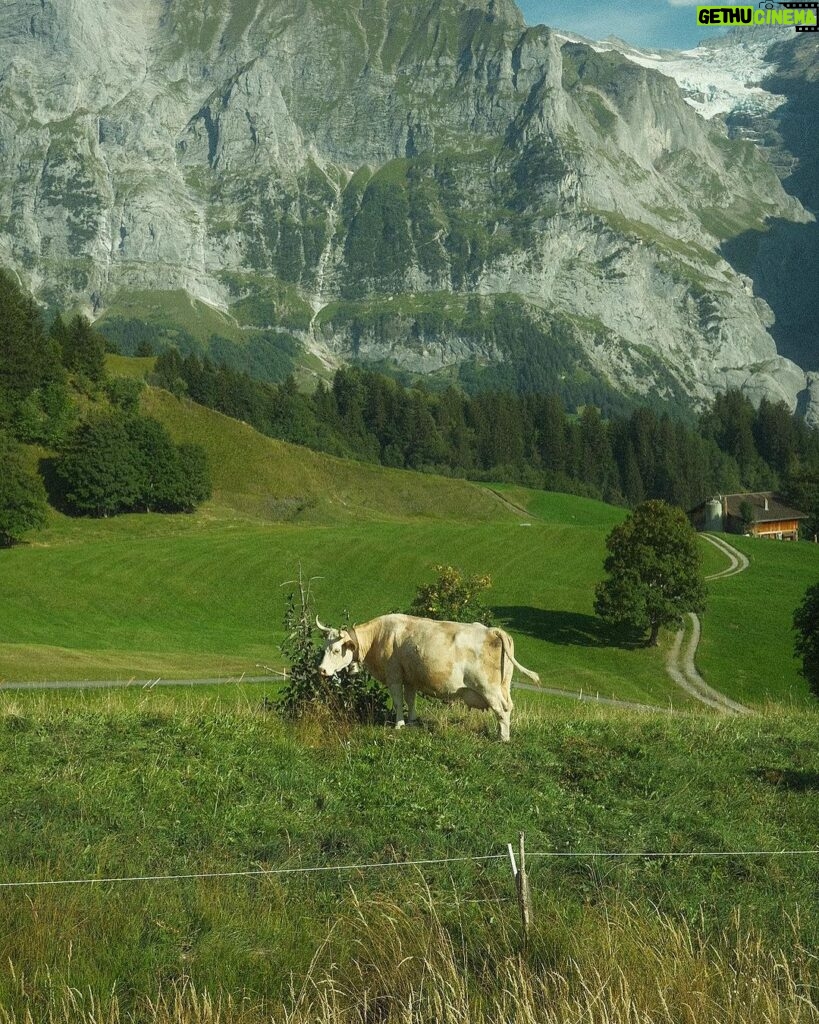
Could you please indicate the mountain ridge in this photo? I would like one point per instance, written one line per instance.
(282, 159)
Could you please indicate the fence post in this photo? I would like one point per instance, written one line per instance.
(524, 902)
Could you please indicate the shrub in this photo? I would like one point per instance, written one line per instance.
(453, 596)
(346, 695)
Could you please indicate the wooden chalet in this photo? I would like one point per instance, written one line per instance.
(766, 515)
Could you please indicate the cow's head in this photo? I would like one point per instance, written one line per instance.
(340, 652)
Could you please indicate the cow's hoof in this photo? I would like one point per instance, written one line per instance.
(400, 725)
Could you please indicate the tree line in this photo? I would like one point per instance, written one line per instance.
(524, 438)
(55, 393)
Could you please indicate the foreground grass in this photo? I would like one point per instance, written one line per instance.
(617, 966)
(114, 785)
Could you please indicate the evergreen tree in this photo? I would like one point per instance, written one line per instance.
(552, 435)
(654, 570)
(801, 489)
(33, 399)
(597, 461)
(730, 423)
(633, 488)
(83, 349)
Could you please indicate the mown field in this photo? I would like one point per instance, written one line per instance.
(156, 782)
(203, 595)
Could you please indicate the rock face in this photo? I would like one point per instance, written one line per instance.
(434, 187)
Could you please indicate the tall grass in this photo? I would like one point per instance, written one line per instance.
(623, 964)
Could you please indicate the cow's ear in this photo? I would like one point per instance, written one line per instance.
(348, 645)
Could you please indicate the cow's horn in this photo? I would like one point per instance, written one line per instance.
(324, 629)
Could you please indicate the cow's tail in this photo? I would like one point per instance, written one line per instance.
(509, 652)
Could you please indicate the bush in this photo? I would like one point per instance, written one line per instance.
(346, 695)
(118, 462)
(453, 597)
(124, 392)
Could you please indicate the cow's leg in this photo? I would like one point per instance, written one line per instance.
(395, 685)
(410, 694)
(503, 713)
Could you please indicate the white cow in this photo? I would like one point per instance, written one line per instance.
(462, 661)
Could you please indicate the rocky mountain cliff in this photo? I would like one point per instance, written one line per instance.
(431, 187)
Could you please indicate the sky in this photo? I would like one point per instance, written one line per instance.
(669, 24)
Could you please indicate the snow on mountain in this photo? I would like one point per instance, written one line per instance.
(719, 76)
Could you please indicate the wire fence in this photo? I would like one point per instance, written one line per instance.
(389, 865)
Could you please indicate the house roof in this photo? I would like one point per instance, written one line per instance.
(775, 511)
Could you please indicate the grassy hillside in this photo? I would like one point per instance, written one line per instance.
(202, 596)
(164, 783)
(266, 479)
(747, 643)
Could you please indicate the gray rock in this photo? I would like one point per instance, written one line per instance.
(350, 151)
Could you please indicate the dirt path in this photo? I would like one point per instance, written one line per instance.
(517, 509)
(680, 663)
(739, 562)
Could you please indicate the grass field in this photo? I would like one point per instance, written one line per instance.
(187, 597)
(747, 642)
(175, 782)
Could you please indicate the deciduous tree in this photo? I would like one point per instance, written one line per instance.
(654, 570)
(22, 495)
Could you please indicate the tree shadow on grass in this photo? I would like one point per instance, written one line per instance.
(569, 628)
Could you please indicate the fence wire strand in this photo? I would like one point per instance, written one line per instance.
(382, 865)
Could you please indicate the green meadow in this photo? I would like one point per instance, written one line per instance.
(193, 780)
(747, 642)
(203, 595)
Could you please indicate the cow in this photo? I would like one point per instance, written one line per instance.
(452, 661)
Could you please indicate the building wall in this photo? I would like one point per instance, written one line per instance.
(785, 527)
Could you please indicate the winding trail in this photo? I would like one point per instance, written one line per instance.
(680, 663)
